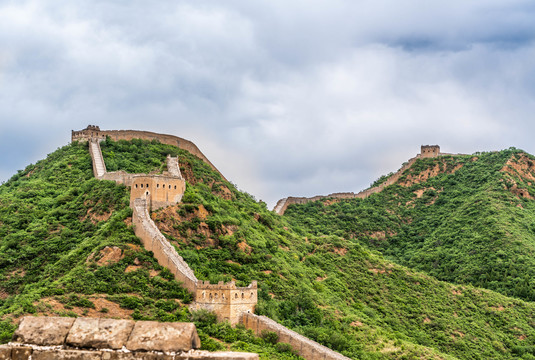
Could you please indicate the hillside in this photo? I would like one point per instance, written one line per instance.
(462, 219)
(67, 247)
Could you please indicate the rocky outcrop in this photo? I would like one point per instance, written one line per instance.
(53, 338)
(302, 345)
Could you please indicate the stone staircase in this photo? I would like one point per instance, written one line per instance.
(99, 167)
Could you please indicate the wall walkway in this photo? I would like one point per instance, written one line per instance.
(94, 132)
(99, 167)
(155, 191)
(302, 345)
(283, 204)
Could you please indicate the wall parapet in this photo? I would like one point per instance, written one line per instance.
(165, 253)
(302, 345)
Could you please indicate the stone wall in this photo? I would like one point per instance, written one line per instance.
(283, 204)
(164, 252)
(94, 132)
(52, 338)
(120, 177)
(99, 166)
(154, 191)
(228, 301)
(302, 345)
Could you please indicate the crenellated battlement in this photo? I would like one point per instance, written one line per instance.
(227, 300)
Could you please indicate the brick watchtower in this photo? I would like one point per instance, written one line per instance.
(430, 151)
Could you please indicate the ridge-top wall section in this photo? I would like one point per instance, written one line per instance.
(116, 135)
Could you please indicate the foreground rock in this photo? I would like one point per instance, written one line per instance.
(50, 338)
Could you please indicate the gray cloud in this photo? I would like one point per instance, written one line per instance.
(286, 98)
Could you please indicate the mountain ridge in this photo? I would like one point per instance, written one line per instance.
(56, 221)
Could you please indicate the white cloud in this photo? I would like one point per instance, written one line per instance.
(286, 98)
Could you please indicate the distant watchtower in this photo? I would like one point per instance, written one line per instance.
(429, 151)
(91, 132)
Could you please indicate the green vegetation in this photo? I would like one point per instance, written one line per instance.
(55, 222)
(469, 226)
(320, 268)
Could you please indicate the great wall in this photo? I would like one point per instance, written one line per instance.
(427, 151)
(150, 192)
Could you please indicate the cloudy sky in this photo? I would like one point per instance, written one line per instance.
(285, 97)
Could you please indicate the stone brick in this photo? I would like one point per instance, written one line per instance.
(43, 330)
(5, 352)
(100, 333)
(167, 337)
(66, 355)
(21, 353)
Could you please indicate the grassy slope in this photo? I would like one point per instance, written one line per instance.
(328, 287)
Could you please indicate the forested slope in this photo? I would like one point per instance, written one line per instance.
(463, 219)
(56, 221)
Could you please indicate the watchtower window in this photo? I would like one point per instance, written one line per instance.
(141, 186)
(235, 296)
(175, 187)
(157, 186)
(147, 185)
(169, 187)
(136, 186)
(147, 193)
(242, 296)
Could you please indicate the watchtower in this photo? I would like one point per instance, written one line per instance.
(430, 151)
(91, 132)
(227, 300)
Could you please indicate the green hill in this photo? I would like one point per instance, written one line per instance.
(67, 247)
(462, 219)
